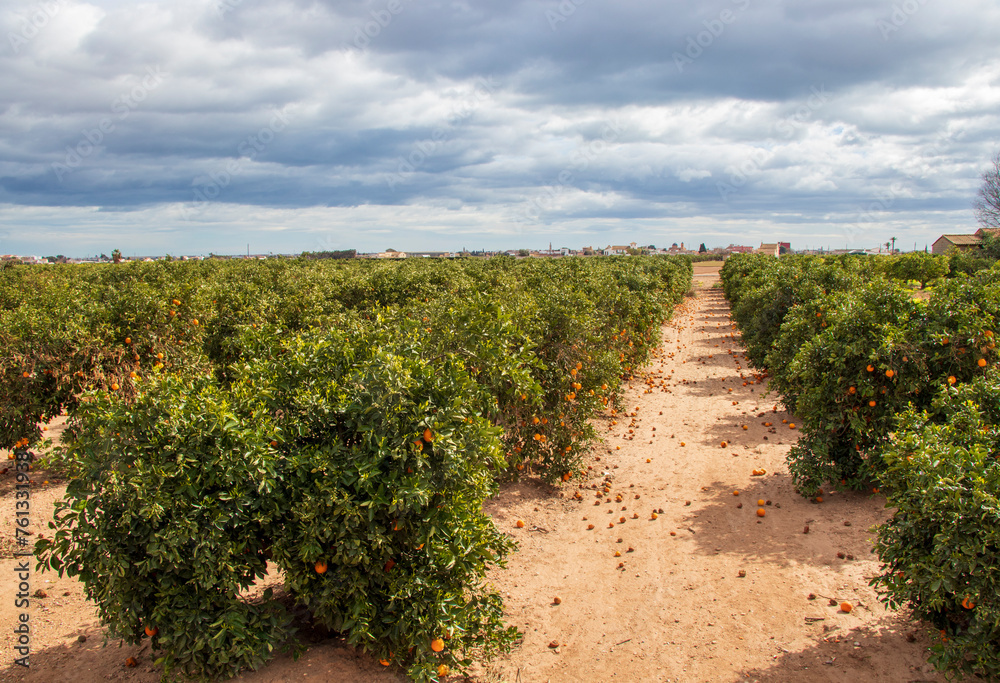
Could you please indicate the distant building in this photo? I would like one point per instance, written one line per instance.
(391, 253)
(618, 250)
(946, 243)
(771, 249)
(736, 249)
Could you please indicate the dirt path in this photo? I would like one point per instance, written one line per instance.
(674, 605)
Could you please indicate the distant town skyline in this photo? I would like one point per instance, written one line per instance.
(197, 127)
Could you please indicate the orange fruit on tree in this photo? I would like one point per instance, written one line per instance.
(951, 379)
(852, 390)
(114, 386)
(437, 645)
(443, 670)
(195, 322)
(871, 403)
(982, 362)
(871, 368)
(385, 662)
(889, 374)
(128, 340)
(967, 603)
(175, 302)
(428, 435)
(152, 631)
(320, 566)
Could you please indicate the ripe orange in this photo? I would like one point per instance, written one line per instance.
(723, 444)
(852, 390)
(981, 362)
(428, 435)
(761, 512)
(131, 662)
(967, 603)
(845, 607)
(195, 322)
(175, 302)
(128, 340)
(385, 662)
(871, 368)
(443, 670)
(437, 645)
(519, 524)
(320, 566)
(889, 374)
(951, 379)
(761, 502)
(871, 403)
(152, 631)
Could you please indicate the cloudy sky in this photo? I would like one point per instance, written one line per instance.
(194, 126)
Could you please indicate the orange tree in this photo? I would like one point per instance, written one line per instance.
(859, 365)
(763, 289)
(66, 329)
(375, 404)
(355, 464)
(940, 549)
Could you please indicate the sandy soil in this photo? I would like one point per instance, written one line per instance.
(706, 591)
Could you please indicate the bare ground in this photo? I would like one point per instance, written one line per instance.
(672, 607)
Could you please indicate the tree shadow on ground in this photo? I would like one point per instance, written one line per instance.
(893, 650)
(721, 522)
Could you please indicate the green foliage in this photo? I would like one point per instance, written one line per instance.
(941, 547)
(285, 421)
(917, 266)
(166, 520)
(847, 409)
